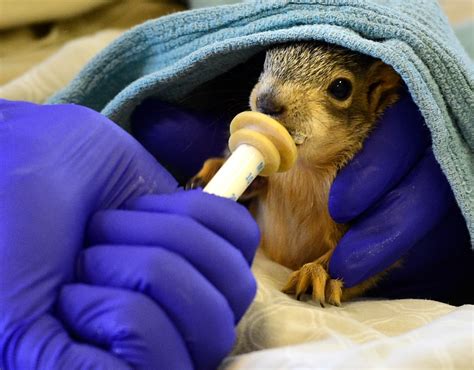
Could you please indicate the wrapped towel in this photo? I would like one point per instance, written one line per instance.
(169, 57)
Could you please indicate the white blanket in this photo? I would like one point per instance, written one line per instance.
(279, 332)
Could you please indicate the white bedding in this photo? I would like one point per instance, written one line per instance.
(279, 332)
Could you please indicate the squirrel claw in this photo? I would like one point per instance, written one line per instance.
(195, 183)
(314, 274)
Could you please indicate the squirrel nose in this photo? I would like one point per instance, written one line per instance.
(268, 104)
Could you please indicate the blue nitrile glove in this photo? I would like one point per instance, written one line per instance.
(180, 139)
(58, 166)
(399, 204)
(393, 193)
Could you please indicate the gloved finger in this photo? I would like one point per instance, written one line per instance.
(180, 139)
(215, 258)
(128, 324)
(226, 218)
(391, 150)
(191, 302)
(389, 230)
(44, 344)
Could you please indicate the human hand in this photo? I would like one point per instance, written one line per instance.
(386, 193)
(180, 139)
(59, 165)
(399, 205)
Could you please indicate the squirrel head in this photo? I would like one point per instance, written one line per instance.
(328, 97)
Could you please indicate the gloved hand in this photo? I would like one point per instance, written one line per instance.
(61, 164)
(180, 139)
(399, 204)
(393, 193)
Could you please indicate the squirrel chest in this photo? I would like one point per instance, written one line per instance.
(294, 218)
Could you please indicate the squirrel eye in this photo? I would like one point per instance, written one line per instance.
(340, 89)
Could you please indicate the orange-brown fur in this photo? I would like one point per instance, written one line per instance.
(292, 209)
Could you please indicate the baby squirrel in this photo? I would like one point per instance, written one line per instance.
(329, 99)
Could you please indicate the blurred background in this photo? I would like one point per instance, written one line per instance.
(36, 35)
(458, 11)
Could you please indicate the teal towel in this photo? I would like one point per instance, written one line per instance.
(170, 56)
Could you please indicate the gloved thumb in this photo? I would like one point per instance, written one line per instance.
(88, 155)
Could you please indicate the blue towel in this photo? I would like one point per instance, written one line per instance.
(170, 56)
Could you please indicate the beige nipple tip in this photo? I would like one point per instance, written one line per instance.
(268, 136)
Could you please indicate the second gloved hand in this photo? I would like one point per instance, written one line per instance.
(400, 205)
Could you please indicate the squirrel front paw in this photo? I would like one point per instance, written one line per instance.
(315, 275)
(205, 174)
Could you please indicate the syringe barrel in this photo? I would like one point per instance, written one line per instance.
(237, 173)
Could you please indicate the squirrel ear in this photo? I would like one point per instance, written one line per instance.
(383, 86)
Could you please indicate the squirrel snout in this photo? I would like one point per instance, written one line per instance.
(267, 103)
